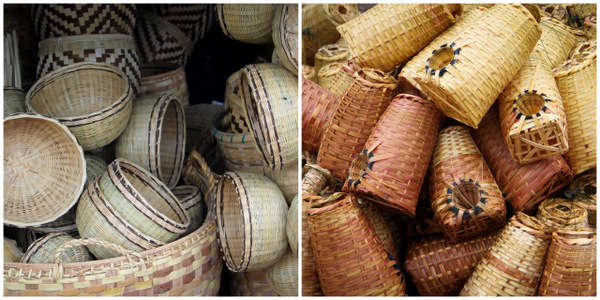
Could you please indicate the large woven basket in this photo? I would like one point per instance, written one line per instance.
(310, 276)
(233, 116)
(331, 53)
(558, 213)
(42, 250)
(392, 166)
(460, 76)
(583, 191)
(464, 195)
(239, 150)
(342, 80)
(248, 23)
(37, 151)
(286, 180)
(283, 275)
(556, 42)
(14, 100)
(251, 283)
(318, 107)
(160, 77)
(195, 20)
(194, 204)
(285, 36)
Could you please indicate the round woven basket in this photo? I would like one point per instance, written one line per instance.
(251, 217)
(92, 99)
(331, 53)
(342, 80)
(558, 213)
(583, 191)
(392, 165)
(195, 20)
(192, 200)
(12, 253)
(14, 100)
(327, 73)
(118, 50)
(291, 228)
(94, 167)
(251, 283)
(286, 179)
(233, 115)
(555, 43)
(283, 275)
(239, 150)
(248, 23)
(285, 36)
(315, 179)
(464, 195)
(310, 276)
(155, 137)
(42, 250)
(318, 107)
(37, 151)
(160, 78)
(460, 76)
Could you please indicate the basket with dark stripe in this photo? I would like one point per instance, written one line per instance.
(195, 20)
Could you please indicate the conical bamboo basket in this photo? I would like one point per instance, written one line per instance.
(318, 107)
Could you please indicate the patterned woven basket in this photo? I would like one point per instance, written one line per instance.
(233, 115)
(571, 264)
(318, 107)
(12, 253)
(37, 151)
(556, 42)
(159, 78)
(286, 180)
(118, 50)
(389, 34)
(239, 150)
(285, 36)
(460, 76)
(195, 20)
(291, 228)
(464, 195)
(523, 186)
(309, 73)
(391, 168)
(42, 250)
(331, 53)
(327, 73)
(342, 80)
(513, 265)
(558, 213)
(310, 276)
(283, 275)
(357, 113)
(248, 23)
(440, 268)
(251, 283)
(14, 100)
(194, 204)
(583, 191)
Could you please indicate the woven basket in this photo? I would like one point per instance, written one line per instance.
(558, 213)
(251, 283)
(14, 100)
(251, 217)
(462, 78)
(392, 166)
(283, 275)
(331, 53)
(513, 266)
(309, 73)
(423, 224)
(118, 50)
(523, 186)
(195, 20)
(160, 78)
(94, 167)
(286, 180)
(285, 36)
(270, 93)
(192, 200)
(589, 28)
(198, 134)
(318, 107)
(12, 253)
(389, 34)
(291, 228)
(556, 42)
(233, 115)
(248, 23)
(239, 150)
(583, 191)
(342, 80)
(357, 113)
(440, 268)
(197, 172)
(571, 264)
(464, 195)
(310, 276)
(37, 151)
(155, 137)
(315, 179)
(327, 73)
(42, 250)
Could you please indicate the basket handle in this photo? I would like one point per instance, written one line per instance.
(198, 173)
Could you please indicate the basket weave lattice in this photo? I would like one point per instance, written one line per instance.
(285, 36)
(248, 23)
(589, 28)
(331, 53)
(342, 80)
(558, 213)
(583, 191)
(286, 179)
(310, 276)
(291, 228)
(195, 20)
(14, 100)
(556, 42)
(194, 204)
(251, 283)
(12, 253)
(233, 116)
(327, 73)
(283, 275)
(159, 78)
(42, 250)
(318, 107)
(315, 179)
(239, 150)
(158, 40)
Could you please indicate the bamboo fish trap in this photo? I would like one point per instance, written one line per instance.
(556, 42)
(558, 213)
(318, 107)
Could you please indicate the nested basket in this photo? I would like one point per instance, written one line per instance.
(583, 192)
(393, 163)
(285, 36)
(389, 34)
(248, 23)
(233, 116)
(239, 150)
(571, 264)
(44, 170)
(309, 73)
(462, 76)
(465, 198)
(14, 100)
(342, 80)
(513, 265)
(42, 250)
(556, 42)
(192, 200)
(161, 77)
(327, 73)
(251, 283)
(318, 107)
(283, 275)
(286, 179)
(251, 217)
(523, 186)
(195, 20)
(155, 137)
(291, 228)
(559, 213)
(357, 113)
(310, 276)
(12, 253)
(440, 268)
(331, 53)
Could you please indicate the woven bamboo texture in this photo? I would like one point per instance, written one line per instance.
(315, 179)
(318, 107)
(555, 43)
(286, 180)
(309, 73)
(198, 173)
(270, 96)
(12, 253)
(42, 250)
(195, 20)
(465, 198)
(440, 268)
(94, 167)
(311, 286)
(389, 34)
(463, 78)
(37, 152)
(327, 73)
(331, 53)
(283, 275)
(160, 78)
(393, 163)
(351, 259)
(118, 50)
(357, 113)
(381, 226)
(583, 191)
(558, 213)
(523, 186)
(342, 80)
(291, 228)
(285, 36)
(248, 23)
(193, 202)
(251, 217)
(571, 264)
(589, 28)
(239, 150)
(14, 100)
(251, 283)
(233, 115)
(158, 40)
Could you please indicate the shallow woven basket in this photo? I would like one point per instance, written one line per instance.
(233, 116)
(160, 77)
(558, 213)
(310, 276)
(464, 195)
(283, 275)
(555, 43)
(93, 100)
(523, 186)
(318, 107)
(12, 253)
(291, 228)
(440, 268)
(42, 250)
(251, 283)
(192, 200)
(315, 179)
(357, 113)
(392, 166)
(37, 151)
(344, 243)
(571, 264)
(342, 80)
(309, 73)
(195, 20)
(251, 216)
(248, 23)
(14, 100)
(389, 34)
(331, 53)
(583, 191)
(239, 150)
(532, 115)
(513, 266)
(286, 179)
(460, 76)
(155, 137)
(270, 96)
(285, 36)
(327, 73)
(118, 50)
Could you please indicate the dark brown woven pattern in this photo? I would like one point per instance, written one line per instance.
(158, 40)
(310, 277)
(195, 20)
(318, 106)
(391, 168)
(464, 195)
(558, 213)
(251, 283)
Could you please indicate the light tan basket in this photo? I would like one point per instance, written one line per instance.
(285, 36)
(286, 179)
(583, 192)
(239, 150)
(42, 250)
(309, 73)
(14, 100)
(291, 228)
(316, 179)
(12, 253)
(331, 53)
(342, 80)
(248, 23)
(556, 42)
(283, 275)
(327, 73)
(161, 77)
(194, 204)
(233, 115)
(251, 283)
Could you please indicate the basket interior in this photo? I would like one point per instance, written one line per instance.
(466, 195)
(441, 58)
(232, 220)
(171, 141)
(530, 104)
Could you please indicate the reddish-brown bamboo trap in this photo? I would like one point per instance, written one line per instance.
(318, 107)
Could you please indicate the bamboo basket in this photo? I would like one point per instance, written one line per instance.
(464, 195)
(342, 80)
(160, 78)
(12, 253)
(318, 107)
(327, 73)
(309, 73)
(589, 28)
(155, 137)
(513, 265)
(118, 50)
(462, 78)
(239, 150)
(555, 43)
(191, 199)
(440, 268)
(198, 134)
(291, 228)
(393, 163)
(283, 275)
(571, 264)
(381, 225)
(14, 100)
(251, 283)
(389, 34)
(254, 204)
(331, 53)
(583, 9)
(37, 151)
(42, 250)
(247, 23)
(286, 180)
(357, 113)
(195, 20)
(197, 172)
(315, 179)
(233, 116)
(583, 191)
(310, 276)
(94, 167)
(523, 186)
(558, 213)
(285, 36)
(423, 224)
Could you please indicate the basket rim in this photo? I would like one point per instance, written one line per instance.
(560, 71)
(172, 69)
(63, 40)
(191, 195)
(37, 245)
